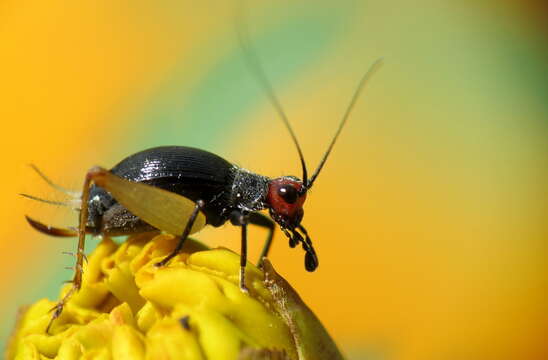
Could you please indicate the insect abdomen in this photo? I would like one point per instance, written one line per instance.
(193, 173)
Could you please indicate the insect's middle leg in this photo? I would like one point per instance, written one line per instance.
(199, 206)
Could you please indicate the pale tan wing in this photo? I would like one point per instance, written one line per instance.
(162, 209)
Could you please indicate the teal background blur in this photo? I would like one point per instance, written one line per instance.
(430, 216)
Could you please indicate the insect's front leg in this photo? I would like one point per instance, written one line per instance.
(240, 218)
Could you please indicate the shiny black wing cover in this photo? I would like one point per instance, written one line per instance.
(193, 173)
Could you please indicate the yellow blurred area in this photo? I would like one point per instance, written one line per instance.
(429, 218)
(71, 74)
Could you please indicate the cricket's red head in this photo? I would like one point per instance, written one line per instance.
(286, 198)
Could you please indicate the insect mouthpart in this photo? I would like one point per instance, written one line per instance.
(295, 237)
(285, 222)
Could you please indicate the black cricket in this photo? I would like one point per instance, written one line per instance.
(179, 190)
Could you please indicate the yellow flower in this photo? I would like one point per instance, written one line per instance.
(191, 309)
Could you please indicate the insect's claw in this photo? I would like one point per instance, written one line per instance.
(49, 325)
(160, 264)
(244, 289)
(165, 260)
(57, 310)
(184, 321)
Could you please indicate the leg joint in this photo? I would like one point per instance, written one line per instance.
(239, 218)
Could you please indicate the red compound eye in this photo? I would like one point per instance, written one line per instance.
(288, 193)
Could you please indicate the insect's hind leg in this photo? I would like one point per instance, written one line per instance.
(199, 206)
(78, 268)
(259, 219)
(152, 204)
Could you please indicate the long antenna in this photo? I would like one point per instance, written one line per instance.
(376, 65)
(256, 67)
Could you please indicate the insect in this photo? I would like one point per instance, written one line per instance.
(179, 190)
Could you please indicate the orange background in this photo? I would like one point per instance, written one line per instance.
(429, 218)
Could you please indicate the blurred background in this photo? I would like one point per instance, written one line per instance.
(430, 216)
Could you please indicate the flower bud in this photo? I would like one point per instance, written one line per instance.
(192, 308)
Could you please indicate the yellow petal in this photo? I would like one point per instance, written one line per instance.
(177, 284)
(96, 334)
(127, 343)
(147, 317)
(167, 340)
(97, 354)
(45, 345)
(122, 315)
(221, 339)
(120, 282)
(191, 309)
(27, 351)
(70, 350)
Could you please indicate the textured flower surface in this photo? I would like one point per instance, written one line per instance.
(191, 309)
